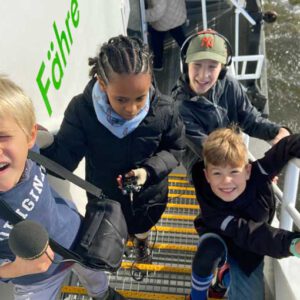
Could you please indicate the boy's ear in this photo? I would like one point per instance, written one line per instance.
(32, 137)
(206, 175)
(248, 170)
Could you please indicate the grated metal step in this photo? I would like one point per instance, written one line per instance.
(173, 243)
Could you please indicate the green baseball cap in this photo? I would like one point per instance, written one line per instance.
(207, 46)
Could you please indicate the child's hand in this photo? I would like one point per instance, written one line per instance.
(140, 174)
(281, 134)
(120, 182)
(132, 181)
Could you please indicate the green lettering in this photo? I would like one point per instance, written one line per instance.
(74, 13)
(44, 88)
(68, 28)
(57, 64)
(61, 38)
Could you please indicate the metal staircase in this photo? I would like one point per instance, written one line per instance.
(173, 242)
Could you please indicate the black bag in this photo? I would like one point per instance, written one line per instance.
(101, 241)
(103, 235)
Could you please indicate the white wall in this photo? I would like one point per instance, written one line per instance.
(26, 30)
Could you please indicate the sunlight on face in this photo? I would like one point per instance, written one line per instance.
(203, 74)
(227, 182)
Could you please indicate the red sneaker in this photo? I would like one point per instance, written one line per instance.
(218, 290)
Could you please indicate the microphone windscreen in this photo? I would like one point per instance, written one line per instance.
(28, 240)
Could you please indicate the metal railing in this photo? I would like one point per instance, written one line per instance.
(240, 73)
(289, 215)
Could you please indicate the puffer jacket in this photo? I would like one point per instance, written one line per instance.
(226, 103)
(245, 223)
(156, 144)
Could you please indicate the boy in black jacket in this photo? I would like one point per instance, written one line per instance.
(208, 98)
(237, 207)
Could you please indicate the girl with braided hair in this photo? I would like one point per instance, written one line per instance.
(125, 129)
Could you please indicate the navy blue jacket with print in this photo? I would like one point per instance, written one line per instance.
(33, 199)
(245, 222)
(226, 103)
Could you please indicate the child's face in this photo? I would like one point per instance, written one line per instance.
(203, 74)
(127, 93)
(227, 182)
(14, 145)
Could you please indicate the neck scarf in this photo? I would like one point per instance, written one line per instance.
(110, 119)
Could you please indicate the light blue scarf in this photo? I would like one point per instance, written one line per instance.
(110, 119)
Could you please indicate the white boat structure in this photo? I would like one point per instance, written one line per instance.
(45, 48)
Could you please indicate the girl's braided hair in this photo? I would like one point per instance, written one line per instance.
(121, 55)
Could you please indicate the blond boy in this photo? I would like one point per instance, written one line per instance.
(24, 187)
(237, 208)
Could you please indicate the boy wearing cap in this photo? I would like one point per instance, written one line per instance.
(208, 98)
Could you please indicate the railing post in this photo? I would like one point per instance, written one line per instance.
(290, 189)
(204, 14)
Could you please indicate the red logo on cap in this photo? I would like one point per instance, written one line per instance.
(207, 42)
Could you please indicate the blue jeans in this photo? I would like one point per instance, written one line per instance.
(244, 287)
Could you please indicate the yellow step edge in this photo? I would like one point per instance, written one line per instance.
(174, 229)
(77, 290)
(163, 246)
(156, 268)
(151, 296)
(178, 175)
(178, 181)
(183, 206)
(178, 217)
(177, 195)
(181, 188)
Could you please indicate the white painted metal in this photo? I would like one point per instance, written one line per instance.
(244, 59)
(289, 198)
(204, 14)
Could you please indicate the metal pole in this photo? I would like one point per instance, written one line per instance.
(290, 189)
(204, 14)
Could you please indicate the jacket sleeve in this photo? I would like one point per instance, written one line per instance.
(171, 148)
(279, 155)
(250, 119)
(69, 146)
(257, 237)
(194, 132)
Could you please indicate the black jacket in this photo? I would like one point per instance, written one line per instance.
(156, 144)
(226, 103)
(245, 222)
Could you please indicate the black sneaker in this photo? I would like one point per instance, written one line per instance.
(111, 294)
(141, 249)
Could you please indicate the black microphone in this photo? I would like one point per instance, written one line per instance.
(28, 240)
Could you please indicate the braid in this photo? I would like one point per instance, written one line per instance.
(121, 55)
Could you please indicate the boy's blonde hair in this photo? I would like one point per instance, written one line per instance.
(225, 146)
(15, 103)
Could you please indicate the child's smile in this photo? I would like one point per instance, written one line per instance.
(14, 145)
(227, 182)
